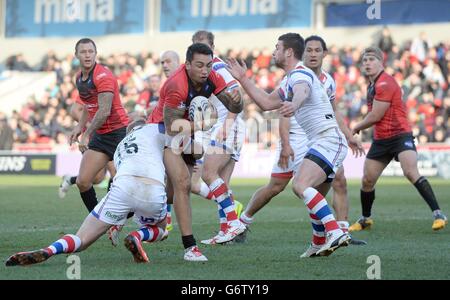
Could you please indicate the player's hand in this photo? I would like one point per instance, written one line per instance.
(74, 135)
(355, 131)
(83, 143)
(287, 109)
(286, 154)
(356, 146)
(234, 95)
(237, 68)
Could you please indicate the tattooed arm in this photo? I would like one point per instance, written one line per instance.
(232, 99)
(104, 110)
(175, 122)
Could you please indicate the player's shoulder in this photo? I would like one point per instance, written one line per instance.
(179, 77)
(303, 71)
(102, 71)
(176, 82)
(386, 80)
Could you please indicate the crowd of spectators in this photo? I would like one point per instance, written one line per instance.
(420, 67)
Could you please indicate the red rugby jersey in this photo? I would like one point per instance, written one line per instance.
(101, 80)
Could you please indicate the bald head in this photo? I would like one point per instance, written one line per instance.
(170, 61)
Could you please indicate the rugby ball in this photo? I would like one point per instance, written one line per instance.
(202, 111)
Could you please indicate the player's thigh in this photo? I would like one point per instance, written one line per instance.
(408, 162)
(213, 163)
(169, 190)
(91, 230)
(100, 176)
(227, 171)
(310, 174)
(177, 171)
(111, 168)
(92, 162)
(373, 170)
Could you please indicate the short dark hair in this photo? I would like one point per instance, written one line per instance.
(198, 48)
(201, 34)
(85, 41)
(295, 42)
(317, 38)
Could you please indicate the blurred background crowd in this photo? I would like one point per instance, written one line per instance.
(420, 66)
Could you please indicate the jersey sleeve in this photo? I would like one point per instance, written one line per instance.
(218, 81)
(384, 90)
(332, 94)
(104, 81)
(301, 76)
(174, 95)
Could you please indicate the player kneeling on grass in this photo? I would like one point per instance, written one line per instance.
(138, 187)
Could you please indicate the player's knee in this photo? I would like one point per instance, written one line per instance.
(411, 174)
(368, 183)
(340, 184)
(275, 189)
(298, 190)
(183, 184)
(83, 184)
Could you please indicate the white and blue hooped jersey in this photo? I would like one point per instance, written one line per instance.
(221, 67)
(329, 85)
(316, 113)
(140, 153)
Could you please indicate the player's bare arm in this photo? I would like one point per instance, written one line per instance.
(286, 149)
(104, 110)
(353, 143)
(302, 91)
(264, 100)
(379, 108)
(82, 118)
(232, 99)
(175, 122)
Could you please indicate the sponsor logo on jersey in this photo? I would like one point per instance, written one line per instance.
(101, 75)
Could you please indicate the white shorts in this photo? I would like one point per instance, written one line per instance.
(128, 194)
(328, 150)
(299, 144)
(232, 145)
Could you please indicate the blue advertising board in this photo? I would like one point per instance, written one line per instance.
(223, 15)
(381, 12)
(60, 18)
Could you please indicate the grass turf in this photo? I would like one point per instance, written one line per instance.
(32, 217)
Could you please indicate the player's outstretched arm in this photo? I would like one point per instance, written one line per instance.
(262, 99)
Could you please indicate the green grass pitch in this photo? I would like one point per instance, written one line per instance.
(32, 216)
